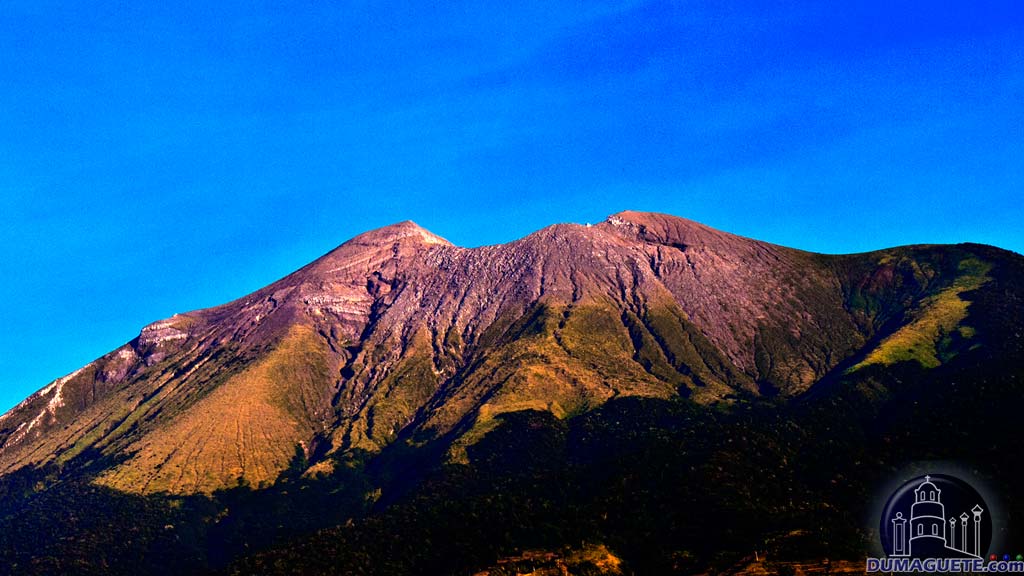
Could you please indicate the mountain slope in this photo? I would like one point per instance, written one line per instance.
(397, 335)
(756, 486)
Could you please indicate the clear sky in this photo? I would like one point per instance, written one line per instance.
(157, 157)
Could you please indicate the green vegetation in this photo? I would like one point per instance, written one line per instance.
(936, 324)
(409, 386)
(565, 361)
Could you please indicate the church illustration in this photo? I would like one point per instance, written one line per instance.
(929, 534)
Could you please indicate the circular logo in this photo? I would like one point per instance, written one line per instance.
(936, 516)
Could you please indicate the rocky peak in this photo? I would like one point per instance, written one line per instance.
(673, 231)
(371, 252)
(400, 232)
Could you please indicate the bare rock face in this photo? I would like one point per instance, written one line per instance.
(397, 332)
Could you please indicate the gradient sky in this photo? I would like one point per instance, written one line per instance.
(157, 157)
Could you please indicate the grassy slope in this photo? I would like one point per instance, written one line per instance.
(936, 323)
(568, 360)
(244, 431)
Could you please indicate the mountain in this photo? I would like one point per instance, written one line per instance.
(397, 355)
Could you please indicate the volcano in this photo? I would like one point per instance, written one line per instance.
(399, 338)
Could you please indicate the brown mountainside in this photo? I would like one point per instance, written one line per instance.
(398, 333)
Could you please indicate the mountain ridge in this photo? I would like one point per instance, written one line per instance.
(397, 334)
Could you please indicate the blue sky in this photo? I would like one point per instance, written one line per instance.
(159, 157)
